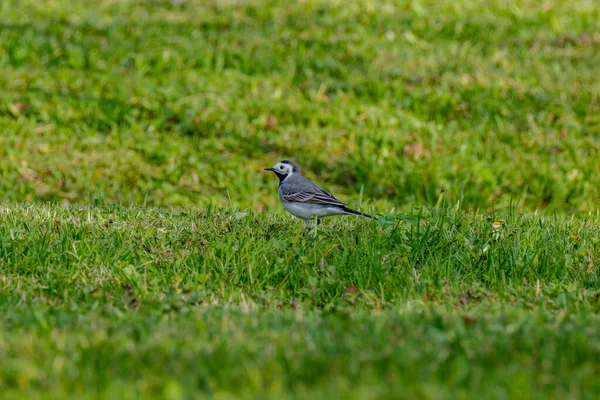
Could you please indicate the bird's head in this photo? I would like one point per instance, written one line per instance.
(283, 169)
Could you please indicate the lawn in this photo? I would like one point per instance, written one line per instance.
(143, 252)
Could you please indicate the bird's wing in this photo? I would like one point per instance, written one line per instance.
(310, 194)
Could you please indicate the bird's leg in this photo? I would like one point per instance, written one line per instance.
(307, 220)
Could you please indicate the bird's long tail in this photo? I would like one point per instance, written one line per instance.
(353, 212)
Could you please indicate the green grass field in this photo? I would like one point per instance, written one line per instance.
(143, 252)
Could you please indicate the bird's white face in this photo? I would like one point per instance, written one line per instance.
(282, 168)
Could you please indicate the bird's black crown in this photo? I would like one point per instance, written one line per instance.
(295, 167)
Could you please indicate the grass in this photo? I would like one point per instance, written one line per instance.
(134, 301)
(183, 105)
(143, 252)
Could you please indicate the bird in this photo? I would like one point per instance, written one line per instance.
(304, 199)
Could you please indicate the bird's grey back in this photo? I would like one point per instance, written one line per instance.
(297, 182)
(296, 186)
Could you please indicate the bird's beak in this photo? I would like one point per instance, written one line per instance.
(269, 169)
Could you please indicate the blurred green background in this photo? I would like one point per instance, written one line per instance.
(184, 102)
(180, 104)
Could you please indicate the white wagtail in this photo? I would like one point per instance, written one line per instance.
(304, 199)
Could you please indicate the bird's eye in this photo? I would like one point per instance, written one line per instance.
(281, 167)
